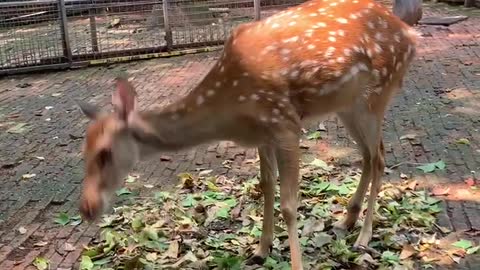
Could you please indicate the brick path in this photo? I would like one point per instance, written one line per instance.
(439, 105)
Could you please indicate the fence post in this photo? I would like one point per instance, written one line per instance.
(67, 52)
(256, 8)
(166, 22)
(93, 27)
(469, 3)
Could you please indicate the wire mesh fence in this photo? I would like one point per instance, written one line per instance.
(36, 34)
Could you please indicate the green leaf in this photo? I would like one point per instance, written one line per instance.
(188, 201)
(473, 250)
(314, 135)
(137, 223)
(41, 263)
(123, 191)
(151, 233)
(62, 219)
(102, 261)
(86, 263)
(390, 257)
(130, 179)
(431, 167)
(162, 195)
(223, 212)
(463, 141)
(320, 164)
(463, 244)
(18, 128)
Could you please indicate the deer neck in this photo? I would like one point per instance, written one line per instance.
(180, 125)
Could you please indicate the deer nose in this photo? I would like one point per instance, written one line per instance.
(90, 204)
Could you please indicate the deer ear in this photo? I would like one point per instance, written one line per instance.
(91, 111)
(124, 99)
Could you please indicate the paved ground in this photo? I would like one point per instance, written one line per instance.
(41, 134)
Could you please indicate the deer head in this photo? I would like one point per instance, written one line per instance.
(109, 150)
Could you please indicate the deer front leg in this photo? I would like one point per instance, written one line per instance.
(288, 166)
(268, 177)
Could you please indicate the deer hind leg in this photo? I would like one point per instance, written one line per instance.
(354, 124)
(268, 177)
(288, 155)
(365, 126)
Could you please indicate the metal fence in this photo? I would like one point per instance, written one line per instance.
(69, 33)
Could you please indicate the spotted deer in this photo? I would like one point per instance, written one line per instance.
(320, 57)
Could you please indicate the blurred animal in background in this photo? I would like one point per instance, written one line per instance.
(409, 11)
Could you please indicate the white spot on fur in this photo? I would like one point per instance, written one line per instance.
(292, 39)
(398, 66)
(353, 16)
(254, 97)
(362, 66)
(294, 74)
(200, 100)
(210, 93)
(321, 24)
(311, 47)
(263, 118)
(329, 52)
(235, 83)
(341, 33)
(377, 48)
(384, 71)
(369, 53)
(342, 20)
(241, 98)
(218, 84)
(276, 111)
(341, 60)
(396, 37)
(347, 52)
(222, 69)
(285, 51)
(275, 25)
(332, 39)
(292, 23)
(370, 25)
(245, 74)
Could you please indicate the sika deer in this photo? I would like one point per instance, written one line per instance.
(323, 56)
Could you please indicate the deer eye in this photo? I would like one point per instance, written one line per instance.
(104, 157)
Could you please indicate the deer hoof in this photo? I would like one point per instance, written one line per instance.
(255, 260)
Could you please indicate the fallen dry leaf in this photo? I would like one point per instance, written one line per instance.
(407, 252)
(470, 182)
(40, 244)
(28, 176)
(69, 247)
(22, 230)
(440, 191)
(172, 251)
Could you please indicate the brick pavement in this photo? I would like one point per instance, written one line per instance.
(439, 105)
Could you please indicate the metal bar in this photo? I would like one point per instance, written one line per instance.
(64, 28)
(139, 52)
(93, 29)
(20, 70)
(257, 9)
(166, 22)
(469, 3)
(121, 59)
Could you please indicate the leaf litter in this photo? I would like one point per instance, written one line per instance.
(210, 222)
